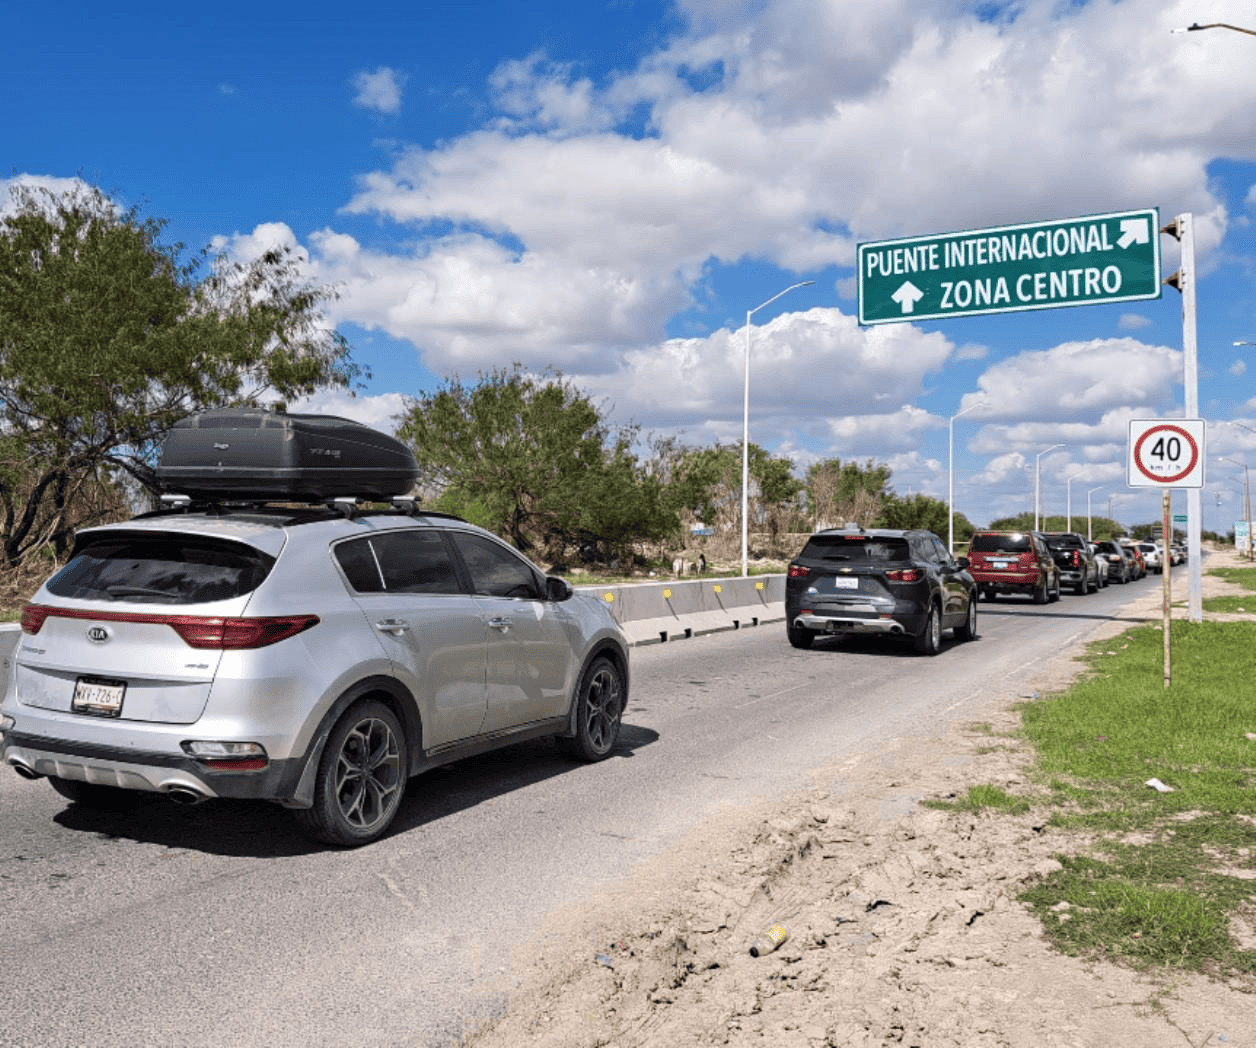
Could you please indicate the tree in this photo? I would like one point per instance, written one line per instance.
(107, 339)
(839, 492)
(706, 482)
(923, 511)
(532, 459)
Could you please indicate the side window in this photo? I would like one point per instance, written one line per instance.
(924, 548)
(415, 562)
(495, 570)
(358, 563)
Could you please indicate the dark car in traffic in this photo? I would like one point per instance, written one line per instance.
(1077, 564)
(1014, 562)
(1121, 566)
(879, 581)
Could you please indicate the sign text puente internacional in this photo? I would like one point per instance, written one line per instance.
(1038, 265)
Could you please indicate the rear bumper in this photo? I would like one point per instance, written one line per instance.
(836, 620)
(36, 757)
(1012, 581)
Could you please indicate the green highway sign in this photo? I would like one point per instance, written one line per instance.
(1036, 265)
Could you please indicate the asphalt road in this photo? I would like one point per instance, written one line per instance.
(220, 925)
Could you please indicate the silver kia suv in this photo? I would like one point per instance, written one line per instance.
(317, 657)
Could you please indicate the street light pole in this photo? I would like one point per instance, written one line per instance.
(745, 431)
(950, 477)
(1247, 501)
(1038, 482)
(1247, 493)
(1068, 487)
(1213, 25)
(1089, 533)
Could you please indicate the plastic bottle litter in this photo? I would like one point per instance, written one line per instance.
(769, 940)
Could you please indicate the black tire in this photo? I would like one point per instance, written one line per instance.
(968, 631)
(1054, 597)
(1082, 588)
(989, 593)
(94, 796)
(361, 778)
(599, 712)
(1041, 594)
(929, 640)
(799, 637)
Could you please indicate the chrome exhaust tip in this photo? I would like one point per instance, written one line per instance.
(23, 769)
(185, 795)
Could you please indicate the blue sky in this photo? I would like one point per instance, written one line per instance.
(607, 188)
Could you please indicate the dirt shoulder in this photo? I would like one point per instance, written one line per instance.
(904, 925)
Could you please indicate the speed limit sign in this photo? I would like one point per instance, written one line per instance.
(1166, 453)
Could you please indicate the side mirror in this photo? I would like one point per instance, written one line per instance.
(557, 589)
(964, 563)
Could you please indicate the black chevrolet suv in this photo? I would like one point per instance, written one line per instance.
(874, 580)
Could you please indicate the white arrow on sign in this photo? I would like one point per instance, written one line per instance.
(1133, 231)
(907, 296)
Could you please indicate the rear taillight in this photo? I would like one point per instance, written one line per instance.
(797, 571)
(196, 631)
(1077, 558)
(239, 634)
(905, 575)
(33, 616)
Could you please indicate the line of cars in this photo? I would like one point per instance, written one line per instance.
(852, 580)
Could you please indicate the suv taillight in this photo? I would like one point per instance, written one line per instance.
(905, 575)
(239, 634)
(197, 631)
(797, 571)
(33, 616)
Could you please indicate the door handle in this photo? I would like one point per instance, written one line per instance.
(499, 624)
(393, 626)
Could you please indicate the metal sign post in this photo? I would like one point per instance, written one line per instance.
(1182, 228)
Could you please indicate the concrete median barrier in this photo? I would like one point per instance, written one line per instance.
(657, 612)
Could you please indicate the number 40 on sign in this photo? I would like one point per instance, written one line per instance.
(1166, 453)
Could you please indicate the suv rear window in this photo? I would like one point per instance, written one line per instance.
(995, 543)
(160, 569)
(1064, 542)
(865, 548)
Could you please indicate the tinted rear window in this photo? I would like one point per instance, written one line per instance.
(1063, 542)
(160, 569)
(864, 548)
(1014, 543)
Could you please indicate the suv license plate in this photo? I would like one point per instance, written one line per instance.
(100, 697)
(845, 583)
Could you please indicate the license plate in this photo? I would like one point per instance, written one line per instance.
(1003, 563)
(845, 583)
(100, 697)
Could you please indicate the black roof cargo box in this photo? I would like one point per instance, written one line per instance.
(250, 454)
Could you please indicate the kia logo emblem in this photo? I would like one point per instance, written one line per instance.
(98, 634)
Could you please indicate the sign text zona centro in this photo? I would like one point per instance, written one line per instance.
(1040, 265)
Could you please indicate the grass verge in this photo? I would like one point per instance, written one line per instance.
(1170, 880)
(1245, 577)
